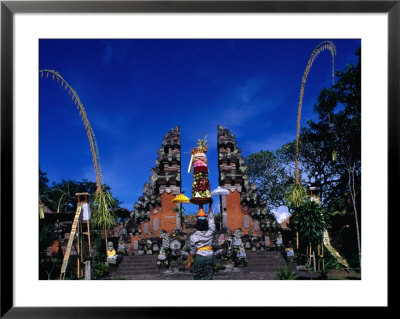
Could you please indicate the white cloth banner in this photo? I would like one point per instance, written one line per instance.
(86, 215)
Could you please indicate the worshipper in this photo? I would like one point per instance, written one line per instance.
(201, 247)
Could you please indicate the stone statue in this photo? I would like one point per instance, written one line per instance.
(238, 251)
(112, 256)
(162, 260)
(121, 246)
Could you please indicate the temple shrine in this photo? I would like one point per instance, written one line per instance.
(155, 208)
(242, 202)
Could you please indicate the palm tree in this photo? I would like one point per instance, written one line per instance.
(66, 195)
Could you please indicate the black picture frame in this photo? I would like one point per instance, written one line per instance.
(9, 8)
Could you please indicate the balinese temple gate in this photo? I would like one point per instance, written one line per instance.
(155, 208)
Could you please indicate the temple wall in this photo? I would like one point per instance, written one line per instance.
(167, 215)
(236, 216)
(155, 206)
(240, 202)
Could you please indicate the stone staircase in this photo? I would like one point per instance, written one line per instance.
(261, 266)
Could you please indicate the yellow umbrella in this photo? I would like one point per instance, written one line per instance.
(181, 199)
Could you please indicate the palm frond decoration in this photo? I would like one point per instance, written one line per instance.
(103, 215)
(201, 144)
(82, 113)
(326, 45)
(295, 195)
(103, 203)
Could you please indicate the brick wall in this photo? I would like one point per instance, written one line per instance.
(167, 216)
(235, 215)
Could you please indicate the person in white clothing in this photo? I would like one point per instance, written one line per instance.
(201, 247)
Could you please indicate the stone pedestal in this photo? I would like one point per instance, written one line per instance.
(88, 270)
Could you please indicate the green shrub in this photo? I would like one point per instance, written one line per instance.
(354, 261)
(302, 259)
(100, 270)
(100, 253)
(331, 263)
(311, 221)
(286, 273)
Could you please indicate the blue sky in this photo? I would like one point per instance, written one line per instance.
(134, 91)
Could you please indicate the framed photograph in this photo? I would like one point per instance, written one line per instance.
(91, 40)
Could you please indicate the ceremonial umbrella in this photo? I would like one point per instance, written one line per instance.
(219, 191)
(181, 199)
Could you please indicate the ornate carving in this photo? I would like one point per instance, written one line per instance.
(165, 176)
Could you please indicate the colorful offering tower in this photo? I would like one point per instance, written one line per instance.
(201, 186)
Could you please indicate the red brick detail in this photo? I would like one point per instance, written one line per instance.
(167, 217)
(236, 215)
(55, 247)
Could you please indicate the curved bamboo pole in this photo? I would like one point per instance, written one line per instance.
(326, 45)
(82, 112)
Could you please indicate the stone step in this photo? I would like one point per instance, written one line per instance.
(132, 262)
(142, 257)
(238, 276)
(135, 272)
(267, 263)
(264, 257)
(185, 275)
(264, 253)
(261, 265)
(252, 255)
(261, 269)
(150, 264)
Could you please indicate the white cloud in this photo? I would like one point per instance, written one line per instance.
(281, 213)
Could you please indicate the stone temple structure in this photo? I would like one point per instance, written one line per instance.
(242, 203)
(154, 209)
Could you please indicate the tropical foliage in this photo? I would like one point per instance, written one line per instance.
(102, 205)
(329, 156)
(286, 273)
(266, 171)
(311, 220)
(60, 196)
(295, 195)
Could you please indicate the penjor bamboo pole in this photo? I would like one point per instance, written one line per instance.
(88, 231)
(77, 254)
